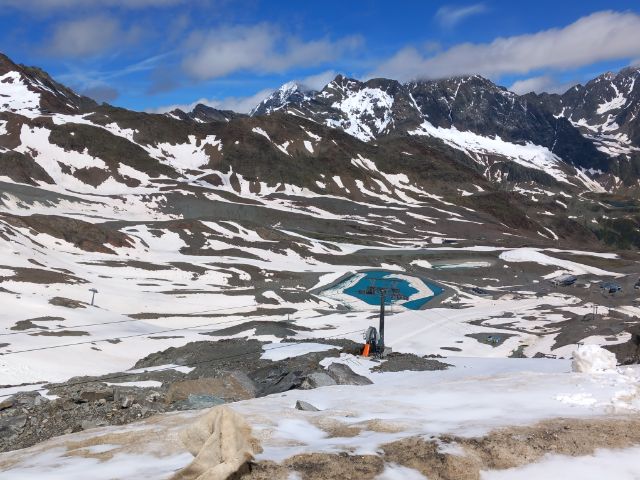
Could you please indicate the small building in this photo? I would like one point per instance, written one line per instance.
(610, 287)
(480, 292)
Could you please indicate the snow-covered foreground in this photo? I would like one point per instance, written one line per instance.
(472, 398)
(604, 463)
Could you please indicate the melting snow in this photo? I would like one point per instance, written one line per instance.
(618, 464)
(616, 102)
(15, 94)
(260, 131)
(528, 155)
(536, 256)
(308, 145)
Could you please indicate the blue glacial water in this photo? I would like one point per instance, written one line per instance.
(384, 279)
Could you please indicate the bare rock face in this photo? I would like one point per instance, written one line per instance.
(343, 375)
(317, 379)
(230, 387)
(21, 168)
(628, 353)
(305, 406)
(87, 236)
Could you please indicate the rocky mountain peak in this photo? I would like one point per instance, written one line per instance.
(30, 90)
(291, 93)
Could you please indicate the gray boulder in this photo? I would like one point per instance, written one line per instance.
(8, 403)
(317, 379)
(343, 375)
(306, 407)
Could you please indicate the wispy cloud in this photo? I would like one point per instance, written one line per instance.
(89, 36)
(319, 80)
(99, 84)
(449, 16)
(86, 76)
(260, 49)
(542, 83)
(601, 36)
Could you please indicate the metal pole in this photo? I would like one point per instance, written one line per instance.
(382, 296)
(93, 295)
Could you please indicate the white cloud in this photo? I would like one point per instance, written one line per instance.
(543, 83)
(260, 48)
(88, 36)
(597, 37)
(237, 104)
(246, 104)
(449, 16)
(319, 80)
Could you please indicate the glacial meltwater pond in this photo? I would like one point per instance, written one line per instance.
(399, 289)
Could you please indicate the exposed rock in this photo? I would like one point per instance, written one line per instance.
(7, 403)
(86, 402)
(282, 380)
(90, 392)
(628, 352)
(22, 168)
(306, 407)
(317, 379)
(12, 424)
(67, 302)
(199, 402)
(230, 387)
(343, 375)
(41, 276)
(398, 362)
(92, 237)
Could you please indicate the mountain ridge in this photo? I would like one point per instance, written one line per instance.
(506, 154)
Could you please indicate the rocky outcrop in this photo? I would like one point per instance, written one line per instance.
(92, 237)
(628, 353)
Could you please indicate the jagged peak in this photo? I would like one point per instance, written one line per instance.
(281, 97)
(290, 87)
(608, 76)
(341, 82)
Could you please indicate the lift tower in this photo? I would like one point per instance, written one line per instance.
(375, 339)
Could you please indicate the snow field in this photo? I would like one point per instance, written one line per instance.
(471, 399)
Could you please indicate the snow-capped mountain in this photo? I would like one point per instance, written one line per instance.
(365, 110)
(605, 110)
(375, 143)
(584, 128)
(291, 93)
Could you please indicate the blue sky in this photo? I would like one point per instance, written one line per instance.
(154, 54)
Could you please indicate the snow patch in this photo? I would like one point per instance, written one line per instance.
(593, 359)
